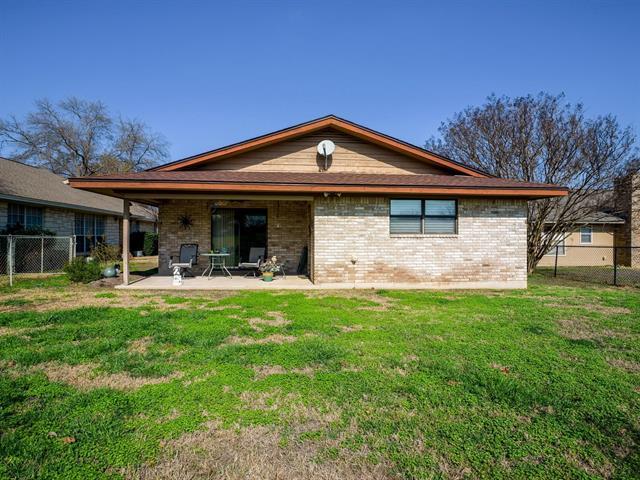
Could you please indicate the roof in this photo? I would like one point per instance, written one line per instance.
(329, 121)
(24, 183)
(273, 182)
(596, 218)
(597, 208)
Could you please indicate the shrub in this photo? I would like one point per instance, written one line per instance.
(81, 271)
(20, 230)
(104, 253)
(150, 244)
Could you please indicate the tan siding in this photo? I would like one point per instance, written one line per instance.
(603, 236)
(352, 155)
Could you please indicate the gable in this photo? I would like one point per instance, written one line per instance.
(406, 156)
(299, 155)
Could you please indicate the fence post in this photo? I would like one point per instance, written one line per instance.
(555, 265)
(615, 266)
(41, 253)
(9, 259)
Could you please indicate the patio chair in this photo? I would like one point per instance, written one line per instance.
(256, 255)
(187, 259)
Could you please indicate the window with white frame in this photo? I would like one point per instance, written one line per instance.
(423, 216)
(89, 231)
(24, 216)
(586, 235)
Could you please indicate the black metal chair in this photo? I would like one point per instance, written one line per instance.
(187, 259)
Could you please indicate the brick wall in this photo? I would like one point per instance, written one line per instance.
(627, 201)
(287, 228)
(352, 244)
(59, 221)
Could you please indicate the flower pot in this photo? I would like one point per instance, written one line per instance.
(267, 276)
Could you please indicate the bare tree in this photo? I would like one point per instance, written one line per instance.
(77, 137)
(542, 139)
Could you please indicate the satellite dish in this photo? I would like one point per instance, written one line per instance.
(326, 147)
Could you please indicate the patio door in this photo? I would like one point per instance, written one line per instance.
(237, 230)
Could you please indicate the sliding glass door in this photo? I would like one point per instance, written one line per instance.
(237, 230)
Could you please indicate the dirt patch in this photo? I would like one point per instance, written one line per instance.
(594, 307)
(627, 365)
(255, 452)
(141, 345)
(263, 371)
(578, 328)
(270, 400)
(276, 319)
(383, 303)
(275, 338)
(172, 415)
(23, 332)
(83, 377)
(75, 296)
(350, 328)
(199, 378)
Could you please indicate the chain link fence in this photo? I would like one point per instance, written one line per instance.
(619, 265)
(28, 255)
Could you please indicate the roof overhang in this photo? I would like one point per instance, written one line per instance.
(129, 188)
(330, 121)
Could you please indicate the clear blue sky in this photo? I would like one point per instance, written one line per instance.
(207, 74)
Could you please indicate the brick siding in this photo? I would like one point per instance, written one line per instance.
(352, 244)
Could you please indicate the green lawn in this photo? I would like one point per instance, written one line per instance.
(543, 383)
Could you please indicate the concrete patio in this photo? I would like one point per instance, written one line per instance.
(163, 282)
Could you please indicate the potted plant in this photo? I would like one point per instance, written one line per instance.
(268, 268)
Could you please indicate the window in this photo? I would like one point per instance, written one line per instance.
(89, 231)
(586, 235)
(27, 217)
(423, 216)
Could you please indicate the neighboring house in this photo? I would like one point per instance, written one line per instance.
(376, 211)
(600, 231)
(596, 235)
(36, 198)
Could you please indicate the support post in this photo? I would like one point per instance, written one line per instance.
(10, 259)
(555, 265)
(125, 242)
(42, 254)
(615, 265)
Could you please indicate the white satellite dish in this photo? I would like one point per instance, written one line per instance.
(326, 147)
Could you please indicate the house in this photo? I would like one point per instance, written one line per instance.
(596, 235)
(377, 211)
(616, 224)
(37, 199)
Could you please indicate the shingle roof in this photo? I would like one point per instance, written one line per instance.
(20, 182)
(341, 179)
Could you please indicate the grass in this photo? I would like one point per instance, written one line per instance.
(543, 383)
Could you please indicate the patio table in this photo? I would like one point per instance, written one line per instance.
(220, 257)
